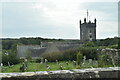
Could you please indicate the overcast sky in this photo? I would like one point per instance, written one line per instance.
(57, 18)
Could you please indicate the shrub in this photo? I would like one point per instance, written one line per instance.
(104, 60)
(38, 60)
(79, 58)
(61, 56)
(113, 46)
(70, 54)
(52, 57)
(89, 52)
(11, 58)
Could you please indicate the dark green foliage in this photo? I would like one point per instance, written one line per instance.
(104, 60)
(28, 41)
(38, 60)
(118, 43)
(79, 58)
(8, 43)
(89, 52)
(89, 44)
(108, 41)
(9, 46)
(52, 57)
(70, 54)
(113, 46)
(11, 58)
(37, 40)
(61, 56)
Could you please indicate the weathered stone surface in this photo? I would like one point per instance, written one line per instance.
(111, 72)
(87, 30)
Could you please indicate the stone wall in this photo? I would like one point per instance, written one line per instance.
(27, 50)
(36, 50)
(112, 55)
(111, 72)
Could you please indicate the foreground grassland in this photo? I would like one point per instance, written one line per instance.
(40, 67)
(32, 66)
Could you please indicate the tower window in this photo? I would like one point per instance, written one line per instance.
(90, 36)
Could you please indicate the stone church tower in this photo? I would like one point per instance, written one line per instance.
(88, 30)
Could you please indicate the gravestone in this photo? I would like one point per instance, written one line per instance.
(22, 68)
(42, 60)
(60, 67)
(57, 61)
(48, 67)
(26, 64)
(84, 58)
(1, 64)
(74, 63)
(9, 64)
(67, 63)
(46, 61)
(90, 63)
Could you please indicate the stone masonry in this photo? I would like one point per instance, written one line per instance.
(87, 30)
(90, 73)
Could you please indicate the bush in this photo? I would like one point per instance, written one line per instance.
(38, 60)
(89, 52)
(52, 57)
(79, 58)
(61, 56)
(104, 60)
(70, 54)
(11, 58)
(113, 46)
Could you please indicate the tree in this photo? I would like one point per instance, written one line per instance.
(79, 58)
(9, 56)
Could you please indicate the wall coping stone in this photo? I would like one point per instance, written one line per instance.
(91, 71)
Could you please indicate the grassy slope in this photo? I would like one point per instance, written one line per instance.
(40, 67)
(53, 65)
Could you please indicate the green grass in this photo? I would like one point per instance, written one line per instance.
(39, 67)
(32, 66)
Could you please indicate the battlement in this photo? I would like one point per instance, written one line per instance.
(88, 22)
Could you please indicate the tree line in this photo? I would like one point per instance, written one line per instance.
(9, 46)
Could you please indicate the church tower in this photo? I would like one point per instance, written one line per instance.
(87, 30)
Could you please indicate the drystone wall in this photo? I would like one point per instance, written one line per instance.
(111, 72)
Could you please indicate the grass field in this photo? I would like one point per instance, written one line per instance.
(32, 66)
(40, 67)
